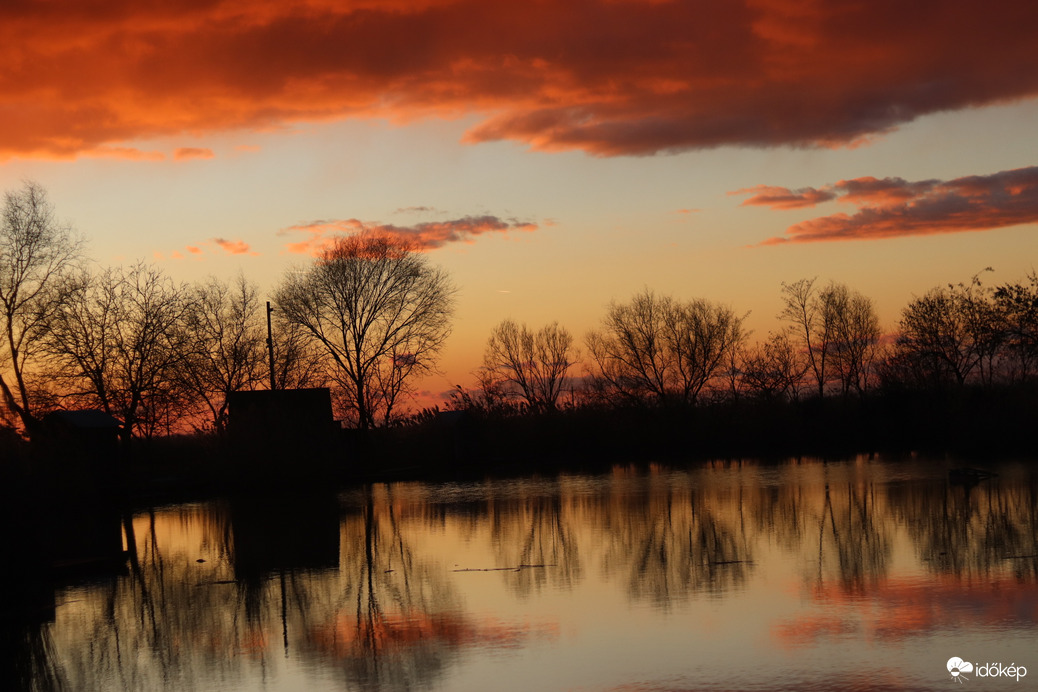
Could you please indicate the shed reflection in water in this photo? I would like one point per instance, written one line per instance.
(732, 575)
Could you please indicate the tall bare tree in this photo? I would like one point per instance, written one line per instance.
(855, 332)
(526, 364)
(838, 329)
(299, 361)
(802, 309)
(629, 354)
(656, 348)
(35, 251)
(225, 344)
(116, 340)
(704, 337)
(380, 311)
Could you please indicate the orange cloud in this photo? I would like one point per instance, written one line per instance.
(892, 207)
(426, 236)
(188, 153)
(233, 247)
(640, 78)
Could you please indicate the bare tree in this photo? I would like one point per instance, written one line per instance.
(803, 310)
(629, 354)
(986, 323)
(947, 335)
(855, 332)
(299, 361)
(838, 329)
(1017, 305)
(775, 369)
(530, 365)
(660, 349)
(225, 336)
(702, 335)
(116, 342)
(35, 251)
(381, 312)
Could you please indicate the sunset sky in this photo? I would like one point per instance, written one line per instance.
(552, 156)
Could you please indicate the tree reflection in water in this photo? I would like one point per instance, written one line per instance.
(397, 621)
(850, 536)
(673, 538)
(359, 590)
(978, 542)
(391, 624)
(971, 530)
(533, 531)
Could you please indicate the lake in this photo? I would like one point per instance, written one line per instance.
(866, 573)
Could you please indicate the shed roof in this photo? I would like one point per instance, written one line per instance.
(90, 418)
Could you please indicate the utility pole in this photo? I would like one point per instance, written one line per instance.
(270, 348)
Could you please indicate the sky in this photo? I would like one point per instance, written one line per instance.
(551, 156)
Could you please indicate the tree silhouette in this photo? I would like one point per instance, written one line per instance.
(659, 349)
(225, 337)
(1017, 305)
(381, 312)
(839, 329)
(947, 335)
(774, 369)
(115, 339)
(35, 251)
(530, 365)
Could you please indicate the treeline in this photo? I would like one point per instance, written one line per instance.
(660, 351)
(662, 377)
(370, 316)
(164, 357)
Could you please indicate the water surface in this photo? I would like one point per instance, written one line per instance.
(859, 574)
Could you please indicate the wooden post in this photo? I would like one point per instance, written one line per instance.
(270, 348)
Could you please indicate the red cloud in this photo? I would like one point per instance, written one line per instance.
(426, 236)
(893, 207)
(603, 76)
(886, 191)
(784, 198)
(187, 153)
(233, 247)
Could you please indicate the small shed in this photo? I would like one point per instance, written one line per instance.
(291, 423)
(88, 433)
